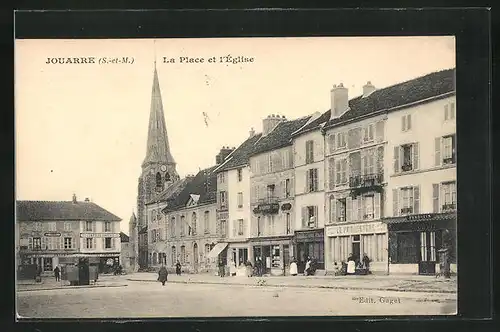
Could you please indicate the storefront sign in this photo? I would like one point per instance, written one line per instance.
(52, 234)
(268, 208)
(309, 235)
(99, 235)
(286, 207)
(371, 228)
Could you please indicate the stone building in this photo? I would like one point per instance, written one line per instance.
(51, 233)
(272, 194)
(157, 175)
(124, 252)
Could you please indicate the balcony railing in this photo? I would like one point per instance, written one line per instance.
(406, 167)
(368, 180)
(268, 200)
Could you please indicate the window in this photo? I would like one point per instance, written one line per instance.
(340, 171)
(341, 210)
(89, 243)
(107, 226)
(444, 197)
(153, 215)
(368, 201)
(206, 222)
(52, 226)
(259, 226)
(368, 133)
(108, 243)
(270, 191)
(309, 216)
(193, 223)
(341, 140)
(37, 243)
(167, 176)
(67, 227)
(406, 158)
(406, 122)
(449, 194)
(406, 201)
(183, 255)
(173, 255)
(270, 163)
(312, 180)
(222, 196)
(89, 226)
(159, 216)
(240, 200)
(369, 162)
(287, 188)
(240, 174)
(52, 243)
(223, 231)
(172, 227)
(309, 152)
(288, 223)
(47, 264)
(37, 226)
(407, 154)
(68, 243)
(331, 142)
(222, 177)
(241, 226)
(183, 226)
(159, 183)
(449, 111)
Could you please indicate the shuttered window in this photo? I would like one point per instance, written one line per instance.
(406, 201)
(309, 151)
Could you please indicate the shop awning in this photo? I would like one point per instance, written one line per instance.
(217, 250)
(421, 221)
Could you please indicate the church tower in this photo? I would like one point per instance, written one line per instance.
(158, 168)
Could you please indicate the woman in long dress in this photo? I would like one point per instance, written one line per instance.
(351, 265)
(293, 267)
(308, 266)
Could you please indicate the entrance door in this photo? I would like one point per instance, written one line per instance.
(286, 257)
(195, 258)
(83, 272)
(266, 256)
(302, 254)
(428, 257)
(356, 247)
(243, 256)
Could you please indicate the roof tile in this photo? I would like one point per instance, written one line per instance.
(62, 210)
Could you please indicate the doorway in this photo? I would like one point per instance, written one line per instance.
(243, 256)
(428, 256)
(356, 247)
(195, 258)
(286, 257)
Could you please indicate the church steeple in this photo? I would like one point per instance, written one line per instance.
(158, 149)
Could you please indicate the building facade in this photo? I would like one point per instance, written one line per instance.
(309, 175)
(421, 200)
(51, 233)
(125, 252)
(272, 194)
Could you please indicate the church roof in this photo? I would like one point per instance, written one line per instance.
(170, 192)
(62, 210)
(158, 149)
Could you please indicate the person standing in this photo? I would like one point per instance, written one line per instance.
(308, 266)
(293, 267)
(57, 273)
(221, 268)
(162, 275)
(178, 267)
(351, 264)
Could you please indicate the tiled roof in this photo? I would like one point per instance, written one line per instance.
(280, 136)
(124, 237)
(424, 87)
(314, 124)
(240, 156)
(62, 210)
(203, 184)
(171, 191)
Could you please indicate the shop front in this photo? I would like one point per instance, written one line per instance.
(356, 239)
(310, 244)
(274, 253)
(414, 242)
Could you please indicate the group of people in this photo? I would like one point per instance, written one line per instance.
(309, 268)
(355, 265)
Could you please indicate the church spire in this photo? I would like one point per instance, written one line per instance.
(158, 149)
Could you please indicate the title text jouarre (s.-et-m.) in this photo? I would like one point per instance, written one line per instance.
(225, 59)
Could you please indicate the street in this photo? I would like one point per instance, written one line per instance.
(150, 299)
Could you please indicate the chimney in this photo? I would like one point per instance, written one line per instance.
(368, 88)
(270, 122)
(87, 199)
(74, 199)
(340, 100)
(224, 152)
(252, 132)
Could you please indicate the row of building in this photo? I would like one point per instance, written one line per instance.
(374, 175)
(57, 233)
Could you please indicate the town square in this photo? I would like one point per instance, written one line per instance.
(194, 193)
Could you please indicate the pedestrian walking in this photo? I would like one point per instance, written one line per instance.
(293, 267)
(57, 273)
(162, 275)
(178, 267)
(308, 266)
(38, 274)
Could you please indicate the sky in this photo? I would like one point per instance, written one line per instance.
(82, 128)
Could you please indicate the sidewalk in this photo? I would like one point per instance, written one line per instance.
(49, 283)
(426, 284)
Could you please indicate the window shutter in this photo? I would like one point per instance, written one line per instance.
(453, 144)
(416, 200)
(354, 212)
(452, 110)
(416, 156)
(380, 160)
(93, 226)
(446, 114)
(306, 183)
(403, 123)
(348, 209)
(333, 206)
(364, 162)
(331, 142)
(437, 153)
(316, 216)
(234, 229)
(304, 216)
(361, 207)
(376, 206)
(395, 197)
(435, 197)
(94, 243)
(408, 122)
(396, 159)
(379, 131)
(331, 173)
